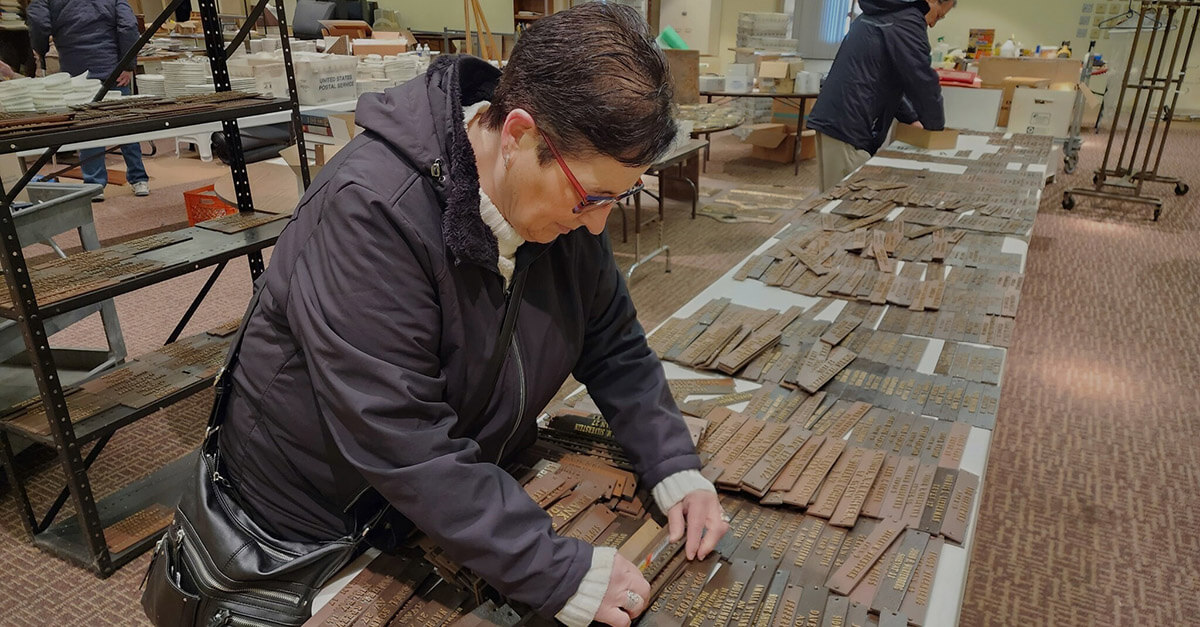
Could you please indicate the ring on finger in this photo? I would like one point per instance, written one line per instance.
(725, 517)
(634, 599)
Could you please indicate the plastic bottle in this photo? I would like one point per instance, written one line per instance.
(940, 51)
(1010, 48)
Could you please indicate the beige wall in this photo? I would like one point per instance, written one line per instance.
(436, 14)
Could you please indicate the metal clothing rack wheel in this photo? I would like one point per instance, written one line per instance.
(1156, 87)
(103, 533)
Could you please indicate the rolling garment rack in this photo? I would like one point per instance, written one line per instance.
(1124, 172)
(104, 533)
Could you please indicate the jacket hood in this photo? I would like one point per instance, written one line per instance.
(422, 120)
(880, 7)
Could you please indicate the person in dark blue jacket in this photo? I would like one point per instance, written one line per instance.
(882, 72)
(91, 36)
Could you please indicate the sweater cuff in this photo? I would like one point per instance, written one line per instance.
(581, 608)
(671, 490)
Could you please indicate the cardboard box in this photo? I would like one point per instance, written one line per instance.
(971, 109)
(328, 127)
(685, 72)
(983, 40)
(322, 79)
(787, 113)
(270, 76)
(350, 28)
(785, 152)
(931, 140)
(337, 45)
(808, 145)
(774, 69)
(767, 135)
(1010, 85)
(321, 154)
(381, 47)
(993, 70)
(1042, 112)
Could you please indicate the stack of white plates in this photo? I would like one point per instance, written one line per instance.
(17, 95)
(185, 76)
(367, 85)
(48, 92)
(152, 84)
(83, 89)
(371, 67)
(402, 68)
(242, 83)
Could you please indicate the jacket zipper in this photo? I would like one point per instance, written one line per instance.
(521, 405)
(201, 572)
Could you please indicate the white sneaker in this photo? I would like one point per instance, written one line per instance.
(141, 188)
(98, 197)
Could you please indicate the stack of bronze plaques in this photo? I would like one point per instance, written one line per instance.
(62, 278)
(108, 112)
(776, 566)
(140, 383)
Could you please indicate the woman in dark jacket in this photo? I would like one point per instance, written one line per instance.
(384, 297)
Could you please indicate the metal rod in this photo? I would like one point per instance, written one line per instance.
(1162, 50)
(252, 18)
(1137, 95)
(289, 70)
(61, 499)
(1112, 135)
(191, 310)
(45, 372)
(1163, 99)
(131, 55)
(1187, 55)
(214, 44)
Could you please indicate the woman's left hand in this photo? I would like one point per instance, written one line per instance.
(701, 516)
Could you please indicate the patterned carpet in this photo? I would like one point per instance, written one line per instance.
(1090, 508)
(1091, 504)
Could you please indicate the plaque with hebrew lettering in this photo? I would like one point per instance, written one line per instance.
(862, 558)
(916, 599)
(789, 606)
(675, 602)
(962, 500)
(898, 572)
(717, 600)
(805, 488)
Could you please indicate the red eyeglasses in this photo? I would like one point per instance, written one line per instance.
(588, 202)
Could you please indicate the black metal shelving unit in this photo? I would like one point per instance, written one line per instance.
(81, 537)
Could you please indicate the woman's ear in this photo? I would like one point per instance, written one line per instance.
(519, 131)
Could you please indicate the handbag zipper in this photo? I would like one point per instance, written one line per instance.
(521, 405)
(201, 572)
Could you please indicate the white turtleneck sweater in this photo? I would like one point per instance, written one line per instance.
(581, 608)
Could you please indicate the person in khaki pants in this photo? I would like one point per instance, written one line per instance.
(882, 73)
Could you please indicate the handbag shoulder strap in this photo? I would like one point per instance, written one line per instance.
(224, 379)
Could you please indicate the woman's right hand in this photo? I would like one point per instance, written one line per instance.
(626, 597)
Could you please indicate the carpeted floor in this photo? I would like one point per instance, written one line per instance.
(1090, 505)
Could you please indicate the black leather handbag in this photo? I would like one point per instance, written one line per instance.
(216, 567)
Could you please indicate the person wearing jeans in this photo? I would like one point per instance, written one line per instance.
(91, 37)
(882, 73)
(92, 162)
